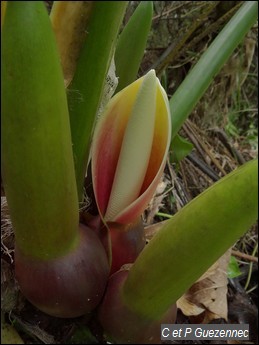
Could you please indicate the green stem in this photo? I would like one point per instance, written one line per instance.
(37, 160)
(197, 81)
(85, 90)
(165, 215)
(192, 241)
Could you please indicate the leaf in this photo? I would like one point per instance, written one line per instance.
(37, 160)
(206, 300)
(9, 335)
(86, 89)
(199, 78)
(3, 9)
(82, 335)
(180, 148)
(69, 20)
(191, 241)
(233, 268)
(132, 43)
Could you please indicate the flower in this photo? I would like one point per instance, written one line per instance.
(129, 150)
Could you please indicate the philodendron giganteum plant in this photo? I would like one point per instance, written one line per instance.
(129, 152)
(68, 267)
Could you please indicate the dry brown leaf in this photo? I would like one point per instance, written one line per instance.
(206, 300)
(151, 230)
(10, 292)
(157, 201)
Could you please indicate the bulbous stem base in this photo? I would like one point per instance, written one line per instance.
(68, 286)
(125, 326)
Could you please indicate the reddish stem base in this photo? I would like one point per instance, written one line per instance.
(69, 286)
(123, 325)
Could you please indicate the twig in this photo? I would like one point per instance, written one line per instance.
(244, 256)
(199, 144)
(158, 16)
(181, 198)
(250, 268)
(209, 30)
(169, 54)
(225, 141)
(204, 168)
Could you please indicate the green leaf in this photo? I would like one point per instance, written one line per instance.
(189, 243)
(3, 8)
(37, 160)
(199, 78)
(82, 335)
(132, 43)
(85, 90)
(9, 335)
(233, 270)
(180, 148)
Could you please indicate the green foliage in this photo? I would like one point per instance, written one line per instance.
(199, 78)
(131, 44)
(190, 242)
(82, 335)
(85, 90)
(37, 158)
(241, 121)
(233, 268)
(180, 148)
(9, 335)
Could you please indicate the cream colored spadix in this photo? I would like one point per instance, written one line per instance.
(136, 148)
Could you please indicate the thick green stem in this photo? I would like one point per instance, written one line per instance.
(85, 91)
(37, 160)
(197, 81)
(3, 8)
(192, 241)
